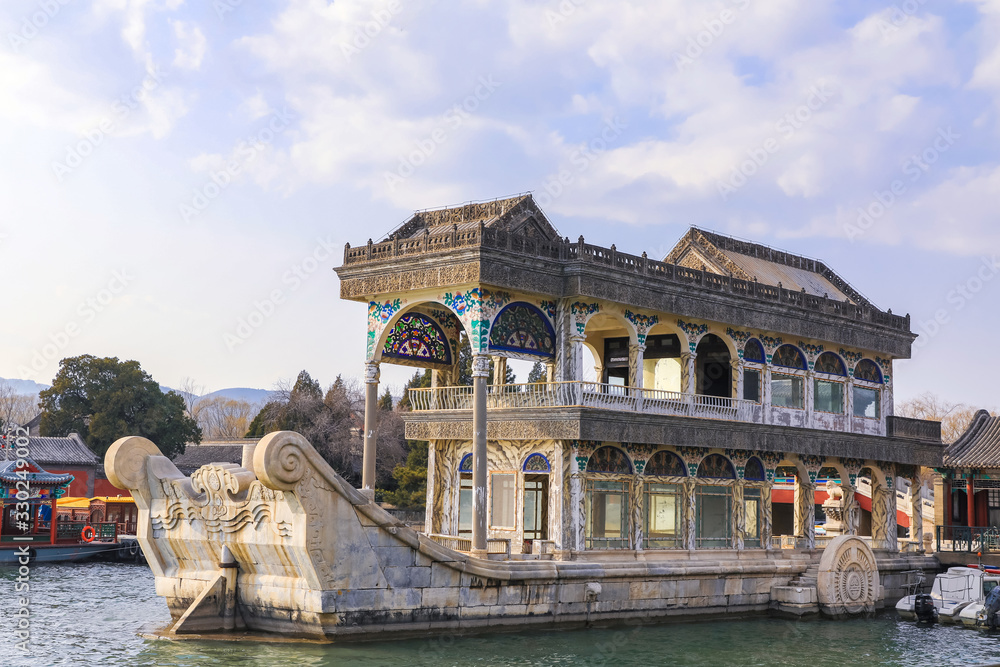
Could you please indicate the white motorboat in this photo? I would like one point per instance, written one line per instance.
(952, 592)
(973, 614)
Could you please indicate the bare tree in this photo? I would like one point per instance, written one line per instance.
(190, 391)
(222, 418)
(16, 408)
(955, 418)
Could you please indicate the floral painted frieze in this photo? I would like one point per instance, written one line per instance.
(694, 332)
(886, 366)
(812, 352)
(771, 345)
(582, 312)
(642, 324)
(549, 308)
(379, 315)
(741, 338)
(476, 308)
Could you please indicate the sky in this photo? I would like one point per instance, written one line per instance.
(171, 166)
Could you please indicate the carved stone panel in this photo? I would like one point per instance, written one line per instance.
(848, 582)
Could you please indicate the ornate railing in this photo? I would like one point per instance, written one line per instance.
(481, 236)
(590, 395)
(495, 546)
(963, 539)
(916, 429)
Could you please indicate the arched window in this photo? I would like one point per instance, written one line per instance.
(716, 466)
(418, 339)
(868, 371)
(830, 364)
(753, 352)
(754, 470)
(610, 460)
(466, 464)
(524, 329)
(665, 464)
(789, 356)
(537, 463)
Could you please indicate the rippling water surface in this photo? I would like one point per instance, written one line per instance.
(90, 615)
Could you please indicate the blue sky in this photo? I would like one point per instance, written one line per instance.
(173, 166)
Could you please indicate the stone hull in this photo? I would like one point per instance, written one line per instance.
(317, 559)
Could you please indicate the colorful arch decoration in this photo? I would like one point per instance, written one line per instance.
(665, 464)
(753, 352)
(789, 356)
(868, 371)
(831, 364)
(754, 470)
(466, 464)
(416, 338)
(537, 463)
(716, 466)
(610, 460)
(524, 329)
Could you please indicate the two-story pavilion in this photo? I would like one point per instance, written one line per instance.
(721, 366)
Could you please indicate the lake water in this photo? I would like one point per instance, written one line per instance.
(90, 614)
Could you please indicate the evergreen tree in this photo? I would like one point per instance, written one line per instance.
(538, 373)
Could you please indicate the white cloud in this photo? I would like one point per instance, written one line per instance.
(191, 45)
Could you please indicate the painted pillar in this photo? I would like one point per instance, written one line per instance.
(689, 374)
(850, 404)
(550, 372)
(372, 374)
(739, 516)
(852, 511)
(432, 482)
(738, 379)
(810, 398)
(578, 351)
(766, 395)
(880, 514)
(970, 498)
(556, 493)
(480, 375)
(891, 526)
(500, 371)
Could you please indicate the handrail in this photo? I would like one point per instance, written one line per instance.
(967, 539)
(494, 545)
(590, 395)
(451, 238)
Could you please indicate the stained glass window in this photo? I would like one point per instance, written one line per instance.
(754, 470)
(830, 364)
(716, 466)
(520, 327)
(753, 351)
(665, 464)
(537, 463)
(789, 356)
(610, 460)
(417, 337)
(466, 464)
(868, 371)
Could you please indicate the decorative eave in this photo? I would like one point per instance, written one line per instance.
(979, 446)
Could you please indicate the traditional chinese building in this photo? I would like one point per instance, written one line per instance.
(716, 369)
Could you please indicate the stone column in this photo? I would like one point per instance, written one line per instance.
(850, 404)
(480, 376)
(765, 398)
(739, 516)
(635, 363)
(805, 510)
(852, 511)
(557, 490)
(689, 373)
(880, 515)
(577, 341)
(690, 513)
(432, 482)
(550, 372)
(766, 516)
(810, 398)
(372, 374)
(738, 378)
(891, 532)
(500, 371)
(917, 511)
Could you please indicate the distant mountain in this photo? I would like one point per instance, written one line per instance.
(27, 387)
(259, 396)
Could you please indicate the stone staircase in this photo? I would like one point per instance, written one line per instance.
(799, 597)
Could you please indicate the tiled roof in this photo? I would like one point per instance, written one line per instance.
(520, 215)
(9, 476)
(979, 446)
(71, 450)
(196, 456)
